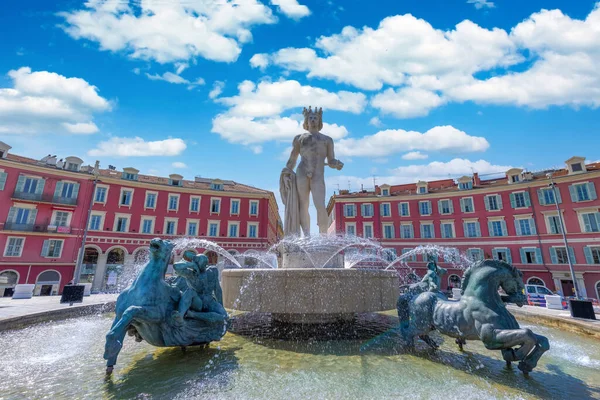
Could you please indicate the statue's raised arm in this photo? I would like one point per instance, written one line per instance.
(331, 161)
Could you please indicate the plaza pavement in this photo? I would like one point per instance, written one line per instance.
(557, 318)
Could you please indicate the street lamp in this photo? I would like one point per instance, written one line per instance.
(564, 235)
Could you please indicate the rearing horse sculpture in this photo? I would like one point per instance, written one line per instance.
(147, 308)
(480, 314)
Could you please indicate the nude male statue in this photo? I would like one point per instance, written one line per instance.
(313, 148)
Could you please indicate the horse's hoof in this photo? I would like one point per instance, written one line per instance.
(109, 370)
(508, 364)
(525, 368)
(183, 349)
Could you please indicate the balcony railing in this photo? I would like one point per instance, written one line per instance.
(13, 226)
(47, 198)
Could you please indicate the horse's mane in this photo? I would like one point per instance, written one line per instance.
(483, 263)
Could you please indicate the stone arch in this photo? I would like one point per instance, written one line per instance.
(250, 261)
(12, 279)
(141, 255)
(44, 274)
(117, 246)
(93, 246)
(534, 280)
(454, 281)
(47, 282)
(213, 257)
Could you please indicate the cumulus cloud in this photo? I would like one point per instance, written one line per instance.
(414, 155)
(46, 102)
(169, 32)
(407, 102)
(479, 4)
(375, 121)
(138, 147)
(439, 139)
(176, 79)
(217, 89)
(179, 165)
(259, 61)
(291, 8)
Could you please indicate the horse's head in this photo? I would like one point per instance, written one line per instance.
(502, 274)
(201, 261)
(161, 249)
(512, 284)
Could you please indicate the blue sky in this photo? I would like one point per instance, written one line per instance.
(410, 89)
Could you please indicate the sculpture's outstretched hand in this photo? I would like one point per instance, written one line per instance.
(336, 164)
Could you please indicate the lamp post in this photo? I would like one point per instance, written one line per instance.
(87, 224)
(564, 235)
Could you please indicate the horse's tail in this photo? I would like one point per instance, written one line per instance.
(403, 309)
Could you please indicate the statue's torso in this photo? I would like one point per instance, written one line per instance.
(313, 151)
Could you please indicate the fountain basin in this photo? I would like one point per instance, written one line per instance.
(315, 295)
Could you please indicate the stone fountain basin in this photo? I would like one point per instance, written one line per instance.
(316, 295)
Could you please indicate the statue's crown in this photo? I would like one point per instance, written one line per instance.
(318, 111)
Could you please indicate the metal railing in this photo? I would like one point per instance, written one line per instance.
(14, 226)
(48, 198)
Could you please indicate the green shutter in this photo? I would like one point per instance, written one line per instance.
(586, 222)
(451, 206)
(572, 255)
(462, 205)
(12, 214)
(541, 198)
(499, 202)
(504, 230)
(523, 256)
(39, 189)
(75, 191)
(3, 176)
(465, 231)
(553, 256)
(495, 254)
(527, 199)
(20, 183)
(429, 206)
(589, 259)
(538, 255)
(477, 229)
(31, 217)
(508, 256)
(513, 201)
(557, 196)
(532, 226)
(440, 206)
(592, 191)
(45, 248)
(421, 229)
(573, 193)
(517, 227)
(487, 202)
(490, 229)
(59, 188)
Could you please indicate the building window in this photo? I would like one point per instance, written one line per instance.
(493, 202)
(422, 190)
(122, 224)
(233, 230)
(368, 231)
(406, 231)
(215, 206)
(559, 255)
(388, 231)
(252, 231)
(235, 207)
(502, 255)
(126, 197)
(147, 226)
(425, 207)
(592, 255)
(554, 226)
(30, 185)
(591, 222)
(386, 210)
(61, 218)
(465, 185)
(427, 231)
(192, 229)
(445, 207)
(14, 247)
(576, 167)
(447, 230)
(403, 210)
(96, 222)
(351, 229)
(170, 228)
(466, 205)
(515, 178)
(497, 228)
(385, 192)
(173, 202)
(531, 256)
(52, 248)
(547, 196)
(366, 210)
(216, 186)
(128, 176)
(472, 229)
(412, 257)
(194, 204)
(67, 190)
(582, 192)
(519, 200)
(175, 182)
(253, 208)
(213, 229)
(3, 177)
(389, 254)
(475, 254)
(525, 227)
(100, 195)
(151, 200)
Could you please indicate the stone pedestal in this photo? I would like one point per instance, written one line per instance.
(296, 258)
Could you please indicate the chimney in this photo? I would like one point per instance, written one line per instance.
(476, 181)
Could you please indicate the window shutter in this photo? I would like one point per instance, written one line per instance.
(20, 183)
(465, 231)
(440, 206)
(527, 199)
(478, 229)
(541, 198)
(3, 176)
(75, 191)
(499, 201)
(538, 255)
(487, 203)
(597, 215)
(495, 254)
(345, 210)
(532, 226)
(31, 218)
(462, 205)
(557, 195)
(412, 231)
(513, 202)
(429, 207)
(553, 256)
(573, 193)
(12, 214)
(39, 189)
(508, 256)
(45, 248)
(523, 256)
(587, 222)
(451, 206)
(504, 230)
(592, 191)
(518, 227)
(422, 231)
(588, 255)
(490, 228)
(58, 189)
(572, 255)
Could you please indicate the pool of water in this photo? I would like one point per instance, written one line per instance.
(64, 360)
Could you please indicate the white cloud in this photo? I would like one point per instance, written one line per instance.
(217, 89)
(414, 155)
(407, 102)
(138, 147)
(176, 79)
(479, 4)
(259, 61)
(166, 31)
(440, 139)
(272, 98)
(291, 8)
(46, 102)
(179, 165)
(375, 121)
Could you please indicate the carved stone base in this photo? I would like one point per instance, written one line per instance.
(324, 257)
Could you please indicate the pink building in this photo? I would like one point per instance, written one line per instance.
(43, 210)
(512, 218)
